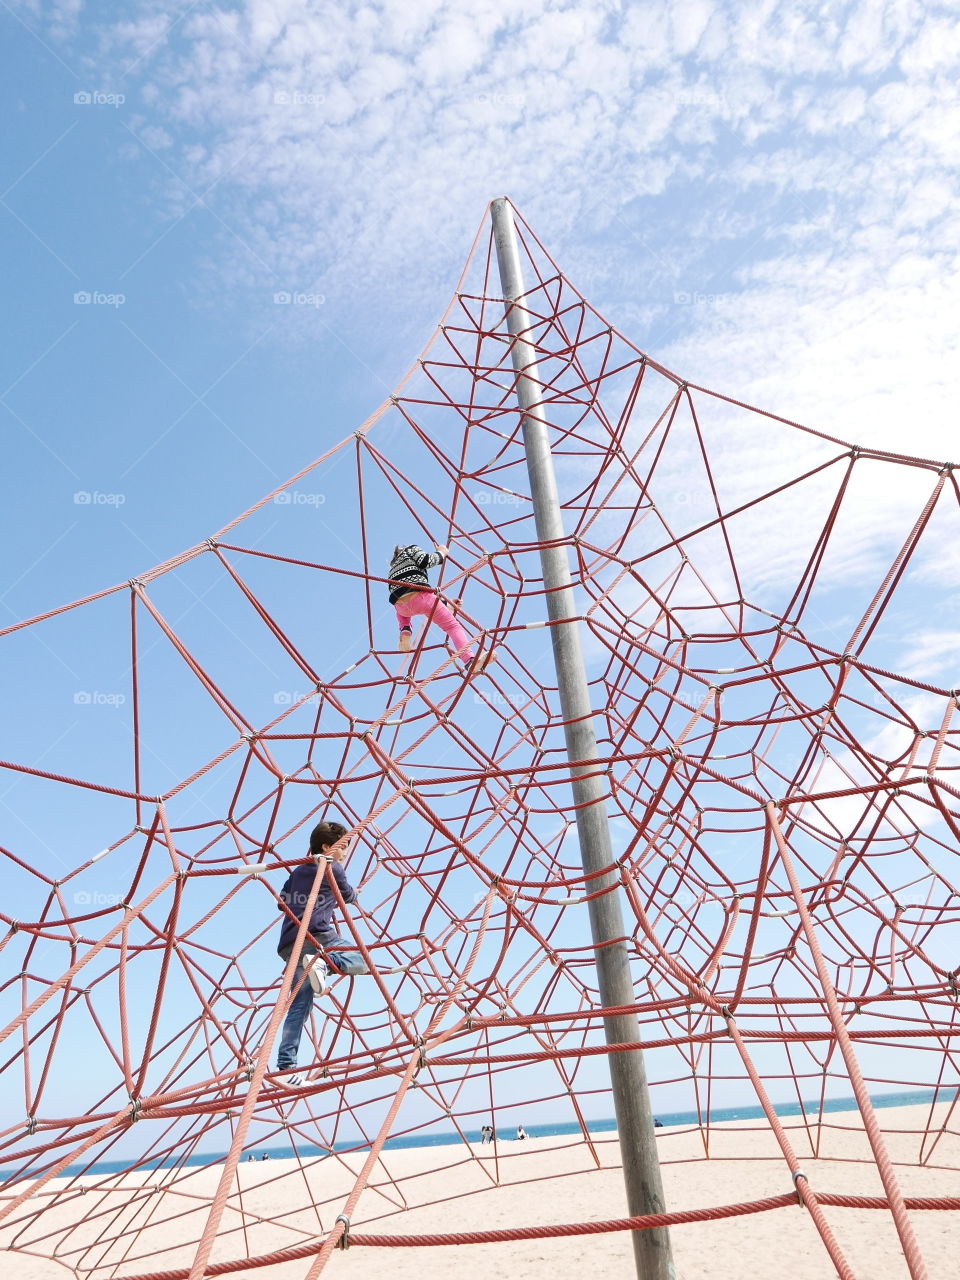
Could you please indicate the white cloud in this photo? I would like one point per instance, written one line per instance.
(411, 116)
(798, 156)
(936, 46)
(929, 653)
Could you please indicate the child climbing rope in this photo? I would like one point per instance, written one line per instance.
(327, 840)
(411, 594)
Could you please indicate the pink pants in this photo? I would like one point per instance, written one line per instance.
(427, 604)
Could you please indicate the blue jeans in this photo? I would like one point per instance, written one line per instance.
(343, 962)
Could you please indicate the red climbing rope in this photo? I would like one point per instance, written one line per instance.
(759, 607)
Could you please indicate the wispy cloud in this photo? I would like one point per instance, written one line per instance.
(756, 193)
(370, 130)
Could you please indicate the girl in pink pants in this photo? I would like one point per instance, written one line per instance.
(410, 594)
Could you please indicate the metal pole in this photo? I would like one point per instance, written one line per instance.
(631, 1098)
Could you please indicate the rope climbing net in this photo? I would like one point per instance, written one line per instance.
(758, 608)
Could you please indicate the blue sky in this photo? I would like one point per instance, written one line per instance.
(786, 168)
(762, 196)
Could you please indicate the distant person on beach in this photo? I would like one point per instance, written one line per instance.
(265, 1156)
(521, 1133)
(411, 594)
(486, 1133)
(328, 840)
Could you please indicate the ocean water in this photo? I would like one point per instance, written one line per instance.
(508, 1132)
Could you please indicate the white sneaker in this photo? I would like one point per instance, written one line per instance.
(406, 640)
(291, 1078)
(317, 974)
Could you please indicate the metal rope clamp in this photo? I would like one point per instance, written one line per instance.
(796, 1175)
(344, 1241)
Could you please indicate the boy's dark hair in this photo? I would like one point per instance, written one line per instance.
(326, 833)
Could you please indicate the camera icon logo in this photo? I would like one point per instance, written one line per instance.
(281, 297)
(82, 99)
(82, 298)
(81, 698)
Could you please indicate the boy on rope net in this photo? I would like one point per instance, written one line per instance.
(328, 840)
(411, 594)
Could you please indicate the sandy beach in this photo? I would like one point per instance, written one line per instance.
(541, 1181)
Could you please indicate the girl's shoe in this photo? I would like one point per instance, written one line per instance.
(406, 640)
(479, 663)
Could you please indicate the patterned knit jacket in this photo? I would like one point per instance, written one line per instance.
(408, 570)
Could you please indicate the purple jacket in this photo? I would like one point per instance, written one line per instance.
(295, 893)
